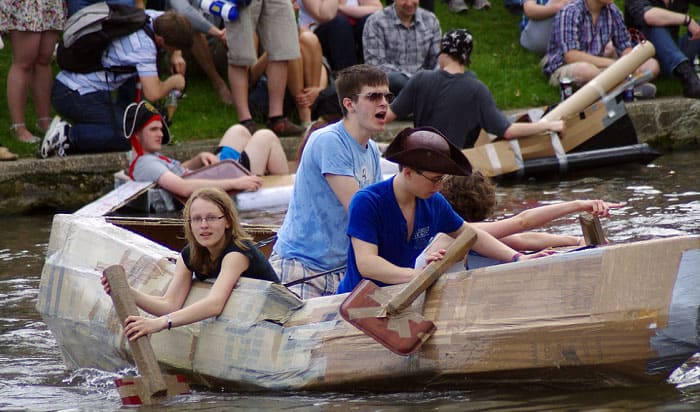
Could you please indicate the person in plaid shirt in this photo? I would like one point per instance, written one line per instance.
(577, 44)
(401, 39)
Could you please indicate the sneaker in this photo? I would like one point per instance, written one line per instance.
(250, 125)
(457, 6)
(56, 139)
(645, 91)
(283, 127)
(481, 4)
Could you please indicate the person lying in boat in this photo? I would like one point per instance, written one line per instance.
(336, 162)
(218, 250)
(144, 127)
(391, 222)
(457, 103)
(473, 197)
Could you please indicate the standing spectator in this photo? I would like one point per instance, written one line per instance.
(34, 27)
(401, 39)
(536, 23)
(86, 99)
(660, 22)
(274, 22)
(339, 31)
(580, 33)
(336, 162)
(457, 103)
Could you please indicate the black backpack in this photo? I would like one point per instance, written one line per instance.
(91, 30)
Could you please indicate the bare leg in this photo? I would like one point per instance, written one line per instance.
(276, 84)
(200, 50)
(266, 154)
(236, 136)
(258, 68)
(311, 52)
(238, 78)
(43, 78)
(295, 84)
(25, 50)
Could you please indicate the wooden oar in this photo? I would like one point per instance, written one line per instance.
(593, 233)
(382, 316)
(151, 385)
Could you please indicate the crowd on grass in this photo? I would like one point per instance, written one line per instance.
(282, 59)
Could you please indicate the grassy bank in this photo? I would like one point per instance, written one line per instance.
(507, 69)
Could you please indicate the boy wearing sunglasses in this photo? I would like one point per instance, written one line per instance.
(337, 161)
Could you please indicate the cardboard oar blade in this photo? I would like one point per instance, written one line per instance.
(593, 233)
(152, 383)
(384, 318)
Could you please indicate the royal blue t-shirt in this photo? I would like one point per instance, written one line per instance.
(375, 217)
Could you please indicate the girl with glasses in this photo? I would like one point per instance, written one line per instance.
(218, 250)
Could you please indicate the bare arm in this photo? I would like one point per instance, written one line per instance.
(539, 240)
(185, 187)
(536, 11)
(487, 245)
(321, 10)
(522, 129)
(200, 160)
(539, 216)
(344, 188)
(232, 266)
(575, 56)
(372, 266)
(657, 16)
(154, 89)
(364, 8)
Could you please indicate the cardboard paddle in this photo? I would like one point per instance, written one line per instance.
(382, 316)
(151, 385)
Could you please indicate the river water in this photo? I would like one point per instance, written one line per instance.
(663, 199)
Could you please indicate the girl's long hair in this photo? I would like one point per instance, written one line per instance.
(200, 258)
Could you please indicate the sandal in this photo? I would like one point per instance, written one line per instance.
(31, 139)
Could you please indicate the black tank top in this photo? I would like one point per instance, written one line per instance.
(259, 267)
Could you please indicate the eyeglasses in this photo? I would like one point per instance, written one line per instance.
(209, 219)
(376, 97)
(436, 180)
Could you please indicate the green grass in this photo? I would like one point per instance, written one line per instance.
(511, 73)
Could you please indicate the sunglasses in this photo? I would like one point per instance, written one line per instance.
(376, 97)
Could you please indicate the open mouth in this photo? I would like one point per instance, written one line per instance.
(380, 115)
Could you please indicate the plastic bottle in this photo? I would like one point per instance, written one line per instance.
(171, 102)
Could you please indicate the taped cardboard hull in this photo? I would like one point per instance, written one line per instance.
(583, 313)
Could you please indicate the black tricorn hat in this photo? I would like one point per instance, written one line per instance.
(426, 149)
(137, 115)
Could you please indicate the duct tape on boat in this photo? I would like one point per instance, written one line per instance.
(518, 154)
(559, 152)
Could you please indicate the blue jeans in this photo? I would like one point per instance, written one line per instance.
(96, 120)
(75, 5)
(341, 41)
(670, 52)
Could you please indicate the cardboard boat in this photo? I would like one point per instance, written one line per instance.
(620, 313)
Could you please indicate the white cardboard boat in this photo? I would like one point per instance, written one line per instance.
(627, 311)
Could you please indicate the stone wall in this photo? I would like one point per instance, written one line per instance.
(65, 184)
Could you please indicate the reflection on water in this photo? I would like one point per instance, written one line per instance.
(662, 199)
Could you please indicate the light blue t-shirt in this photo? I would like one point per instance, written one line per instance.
(313, 231)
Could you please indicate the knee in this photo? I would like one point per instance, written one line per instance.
(264, 137)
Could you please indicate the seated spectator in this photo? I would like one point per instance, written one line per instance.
(660, 21)
(200, 48)
(85, 99)
(580, 33)
(339, 27)
(309, 83)
(401, 39)
(144, 127)
(536, 23)
(455, 102)
(75, 5)
(473, 197)
(391, 222)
